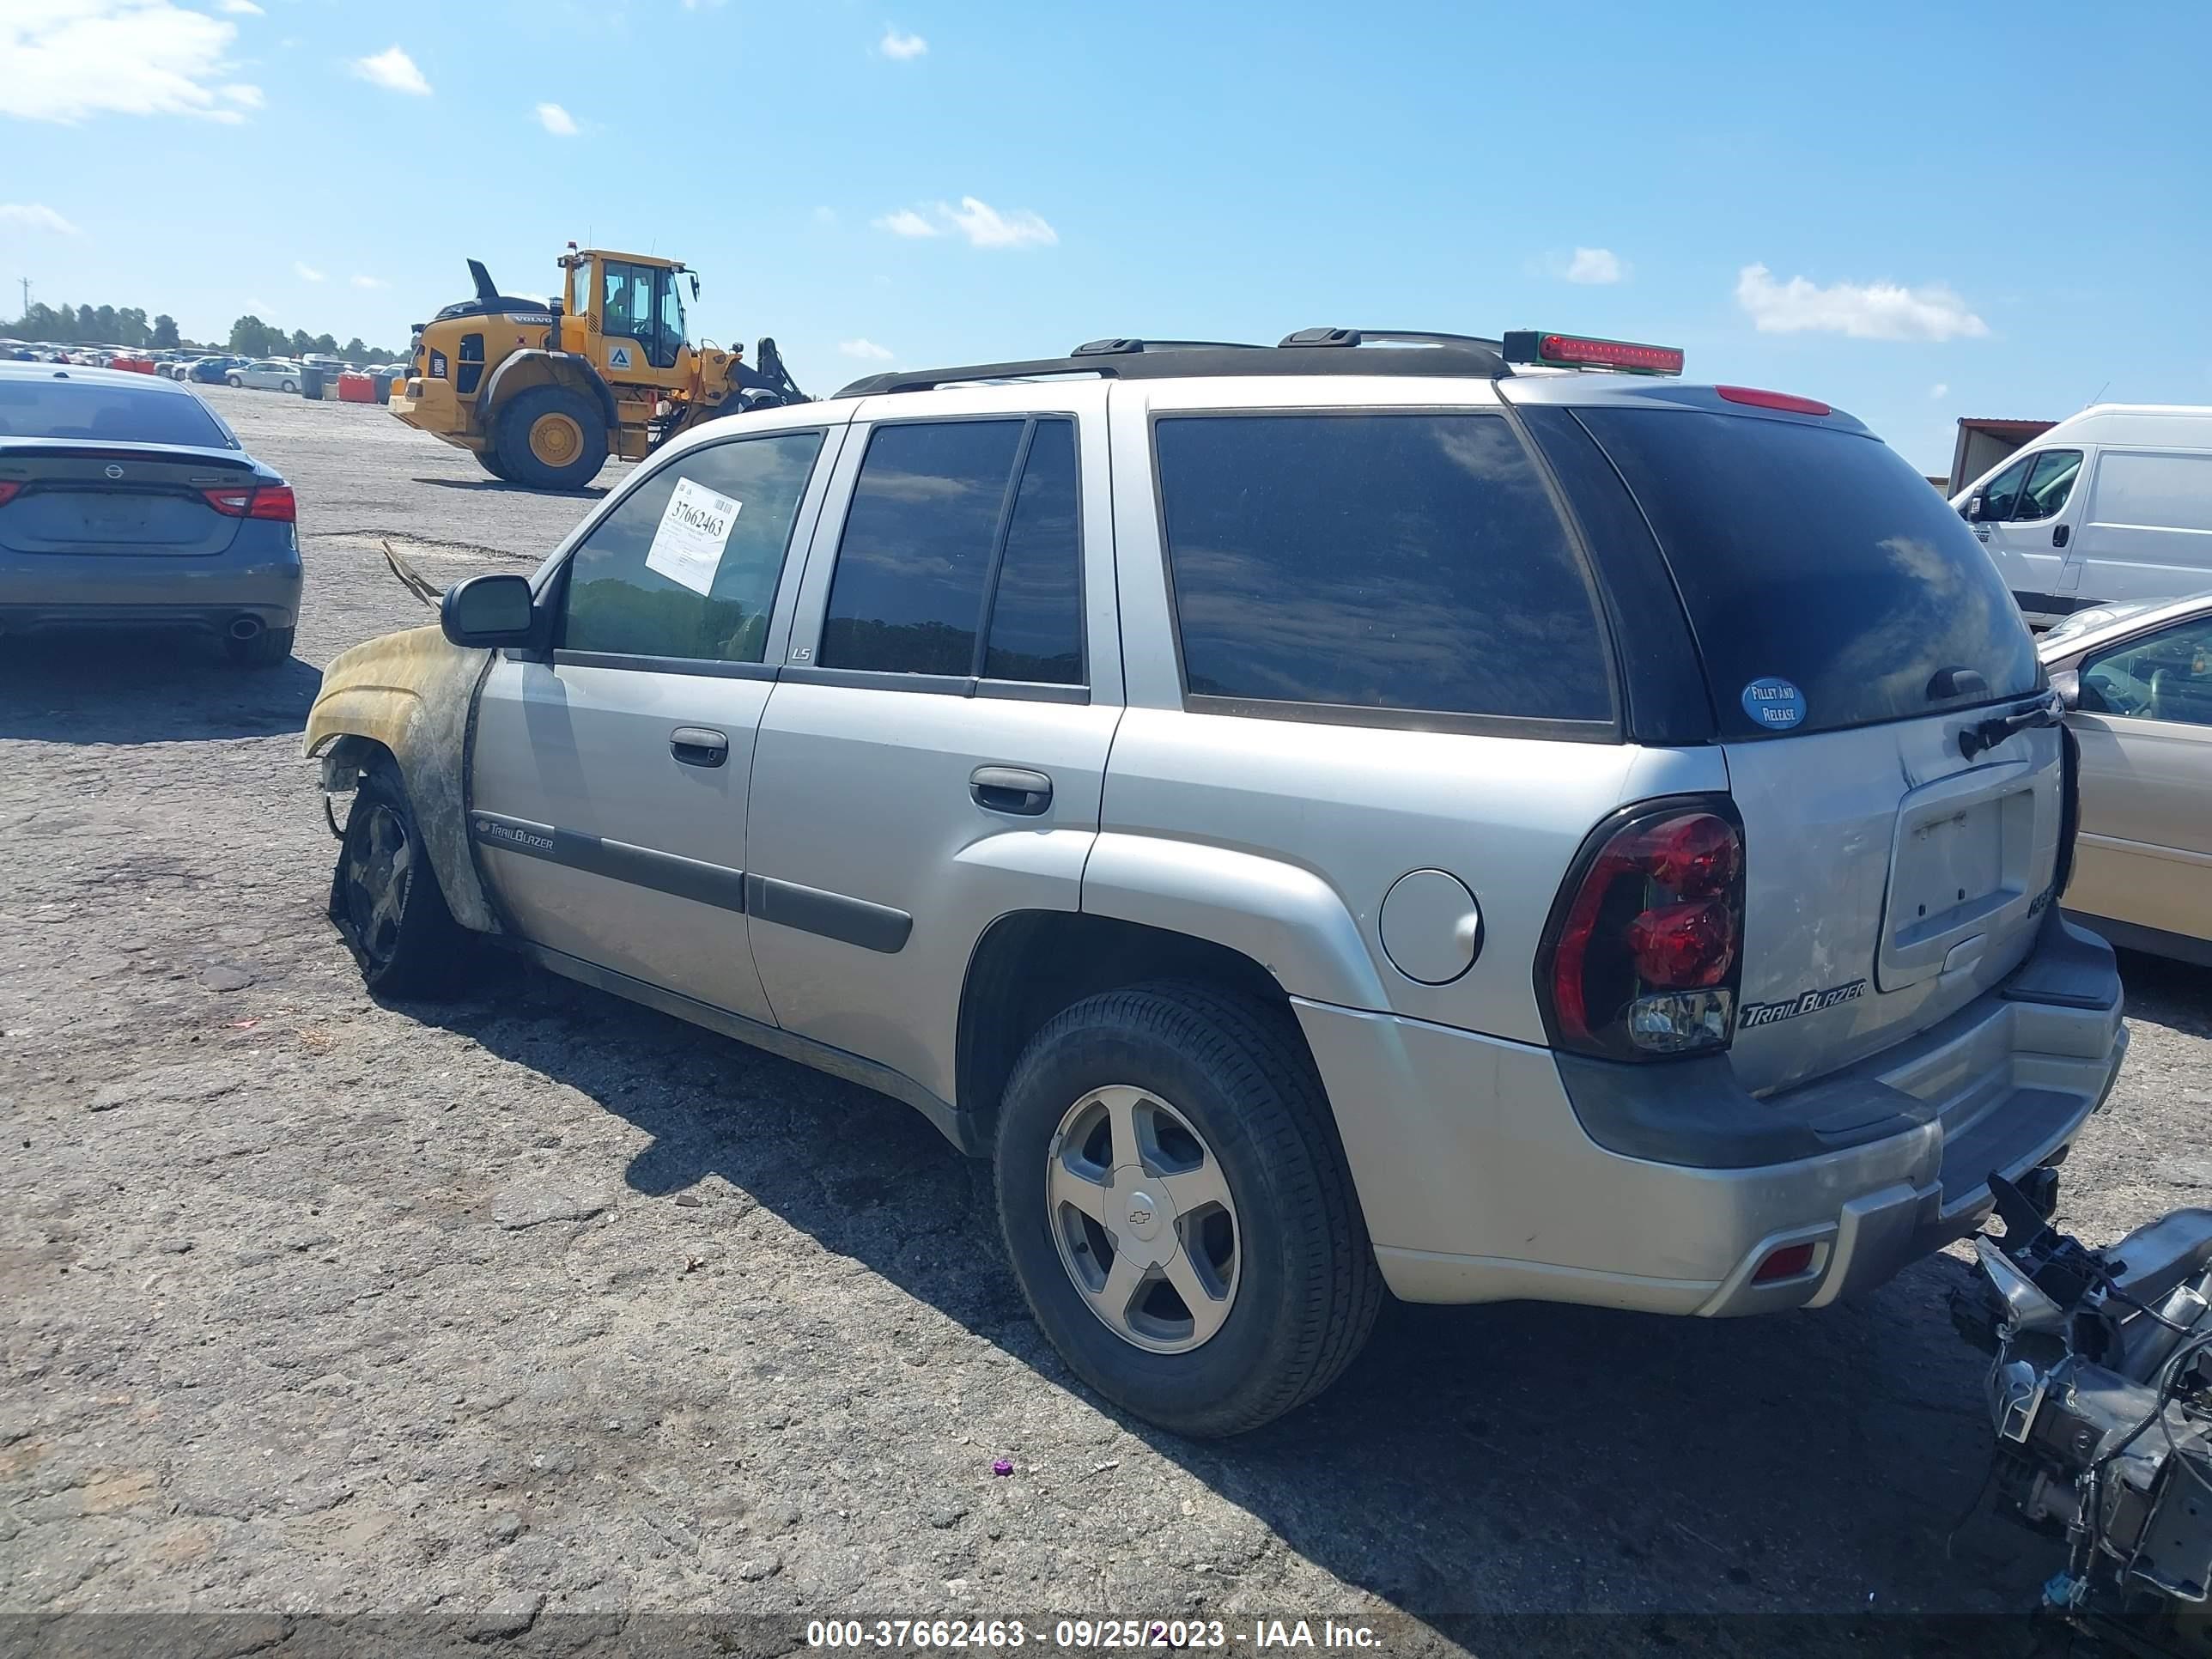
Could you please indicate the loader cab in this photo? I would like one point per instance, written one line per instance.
(638, 306)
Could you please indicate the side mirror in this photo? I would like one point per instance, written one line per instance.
(489, 611)
(694, 286)
(1977, 505)
(2067, 682)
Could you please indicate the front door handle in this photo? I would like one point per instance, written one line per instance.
(2058, 536)
(699, 745)
(1014, 789)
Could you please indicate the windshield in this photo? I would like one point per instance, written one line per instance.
(56, 408)
(1820, 573)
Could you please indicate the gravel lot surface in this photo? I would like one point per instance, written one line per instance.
(537, 1305)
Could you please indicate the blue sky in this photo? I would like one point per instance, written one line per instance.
(1914, 211)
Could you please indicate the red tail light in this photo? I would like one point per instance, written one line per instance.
(250, 501)
(8, 488)
(1644, 952)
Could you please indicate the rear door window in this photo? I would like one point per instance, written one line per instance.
(1816, 558)
(692, 575)
(961, 556)
(1410, 564)
(52, 407)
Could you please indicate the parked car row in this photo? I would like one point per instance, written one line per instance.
(263, 373)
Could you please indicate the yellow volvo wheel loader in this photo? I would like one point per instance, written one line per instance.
(542, 393)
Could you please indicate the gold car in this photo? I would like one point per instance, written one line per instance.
(2137, 683)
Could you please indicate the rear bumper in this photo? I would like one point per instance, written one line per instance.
(1482, 1182)
(120, 590)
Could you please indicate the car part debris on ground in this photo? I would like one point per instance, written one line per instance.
(2101, 1397)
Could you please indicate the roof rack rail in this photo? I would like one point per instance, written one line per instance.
(1309, 351)
(1119, 347)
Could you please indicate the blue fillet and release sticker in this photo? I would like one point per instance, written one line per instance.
(1774, 705)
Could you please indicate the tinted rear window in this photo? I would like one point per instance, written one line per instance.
(51, 408)
(1818, 557)
(1381, 561)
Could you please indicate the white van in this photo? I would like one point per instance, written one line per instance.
(2112, 504)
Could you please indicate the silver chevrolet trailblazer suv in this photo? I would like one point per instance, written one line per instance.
(1464, 816)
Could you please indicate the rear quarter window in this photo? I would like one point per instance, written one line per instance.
(1412, 563)
(87, 411)
(1818, 556)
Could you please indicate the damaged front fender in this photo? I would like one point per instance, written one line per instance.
(411, 695)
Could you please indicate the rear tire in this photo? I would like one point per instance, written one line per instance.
(551, 438)
(386, 899)
(267, 649)
(287, 386)
(1230, 1092)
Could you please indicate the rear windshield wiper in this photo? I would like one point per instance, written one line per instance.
(1988, 734)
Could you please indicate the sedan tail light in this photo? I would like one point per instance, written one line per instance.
(254, 501)
(9, 489)
(1644, 950)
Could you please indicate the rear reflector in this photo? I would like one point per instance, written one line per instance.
(1534, 346)
(1786, 1262)
(269, 502)
(1782, 400)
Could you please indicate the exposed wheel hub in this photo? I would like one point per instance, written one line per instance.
(380, 862)
(1142, 1216)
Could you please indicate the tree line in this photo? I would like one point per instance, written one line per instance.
(128, 325)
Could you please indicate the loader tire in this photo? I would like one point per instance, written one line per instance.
(489, 460)
(549, 438)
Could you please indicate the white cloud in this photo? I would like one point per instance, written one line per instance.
(243, 96)
(1871, 311)
(370, 281)
(986, 227)
(983, 225)
(905, 222)
(1939, 390)
(62, 60)
(557, 121)
(33, 216)
(1597, 264)
(901, 46)
(868, 349)
(393, 70)
(239, 8)
(307, 272)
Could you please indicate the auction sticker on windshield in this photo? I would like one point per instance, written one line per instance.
(688, 546)
(1774, 704)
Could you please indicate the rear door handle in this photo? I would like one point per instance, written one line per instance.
(699, 745)
(1014, 789)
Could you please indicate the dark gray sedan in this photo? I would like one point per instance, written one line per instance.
(126, 502)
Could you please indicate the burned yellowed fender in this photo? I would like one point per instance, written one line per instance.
(410, 694)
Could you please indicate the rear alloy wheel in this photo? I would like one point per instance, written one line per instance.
(1143, 1218)
(289, 387)
(385, 898)
(1177, 1209)
(549, 438)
